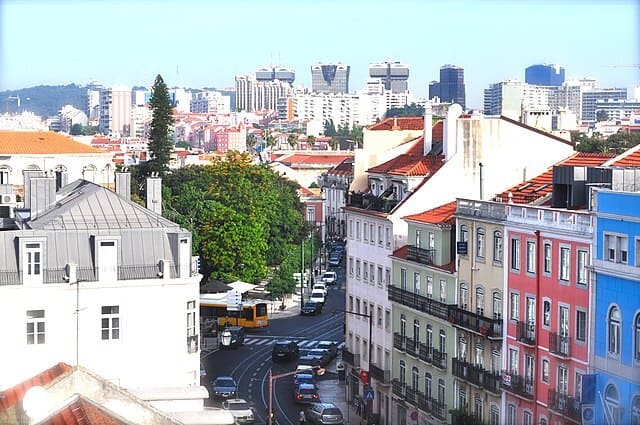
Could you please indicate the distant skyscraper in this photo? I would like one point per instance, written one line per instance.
(115, 111)
(544, 75)
(450, 88)
(272, 73)
(393, 75)
(330, 78)
(263, 89)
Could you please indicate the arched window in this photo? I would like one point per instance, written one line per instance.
(464, 295)
(497, 305)
(415, 377)
(635, 410)
(416, 332)
(429, 337)
(480, 242)
(427, 385)
(497, 246)
(636, 336)
(462, 348)
(612, 399)
(615, 318)
(480, 300)
(403, 325)
(403, 369)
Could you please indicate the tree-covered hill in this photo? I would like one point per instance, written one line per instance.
(44, 101)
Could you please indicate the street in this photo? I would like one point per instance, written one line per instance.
(249, 365)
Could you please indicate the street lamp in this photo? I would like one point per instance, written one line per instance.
(369, 318)
(318, 370)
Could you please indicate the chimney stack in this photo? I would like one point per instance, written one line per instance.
(42, 194)
(28, 175)
(123, 184)
(154, 194)
(450, 133)
(428, 128)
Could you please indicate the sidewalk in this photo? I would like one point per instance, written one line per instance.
(333, 390)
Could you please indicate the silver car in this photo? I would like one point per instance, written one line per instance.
(324, 413)
(240, 409)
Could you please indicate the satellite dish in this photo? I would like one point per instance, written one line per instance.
(36, 403)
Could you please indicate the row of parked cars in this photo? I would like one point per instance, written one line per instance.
(336, 254)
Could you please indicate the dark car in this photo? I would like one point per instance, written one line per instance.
(310, 361)
(311, 308)
(323, 413)
(305, 393)
(331, 346)
(232, 336)
(325, 355)
(304, 378)
(284, 350)
(224, 387)
(335, 259)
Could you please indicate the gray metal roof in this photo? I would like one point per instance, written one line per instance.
(83, 205)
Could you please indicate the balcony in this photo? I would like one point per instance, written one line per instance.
(421, 255)
(411, 396)
(517, 385)
(413, 347)
(426, 353)
(418, 302)
(424, 403)
(439, 410)
(492, 382)
(371, 202)
(381, 375)
(399, 341)
(567, 406)
(350, 358)
(559, 345)
(476, 323)
(526, 333)
(440, 359)
(467, 372)
(398, 388)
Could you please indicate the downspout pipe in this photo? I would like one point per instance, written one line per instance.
(537, 333)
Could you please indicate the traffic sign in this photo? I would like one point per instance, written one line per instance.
(364, 376)
(369, 394)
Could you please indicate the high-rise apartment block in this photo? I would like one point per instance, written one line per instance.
(544, 75)
(262, 89)
(115, 111)
(393, 75)
(330, 78)
(450, 88)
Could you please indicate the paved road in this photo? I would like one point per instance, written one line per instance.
(250, 364)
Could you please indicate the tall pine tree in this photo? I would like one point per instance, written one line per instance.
(160, 143)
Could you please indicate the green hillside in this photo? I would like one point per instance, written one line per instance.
(44, 101)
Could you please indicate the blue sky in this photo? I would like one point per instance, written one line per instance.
(198, 43)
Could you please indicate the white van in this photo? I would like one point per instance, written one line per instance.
(318, 296)
(320, 286)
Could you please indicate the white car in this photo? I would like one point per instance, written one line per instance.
(318, 296)
(329, 278)
(240, 409)
(320, 287)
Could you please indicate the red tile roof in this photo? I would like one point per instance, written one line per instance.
(410, 165)
(399, 123)
(12, 396)
(41, 143)
(345, 168)
(442, 215)
(300, 158)
(630, 160)
(542, 185)
(82, 412)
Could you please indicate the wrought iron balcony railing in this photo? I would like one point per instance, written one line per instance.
(381, 375)
(371, 202)
(413, 347)
(474, 322)
(567, 406)
(440, 359)
(439, 410)
(398, 388)
(351, 358)
(517, 385)
(411, 395)
(424, 402)
(426, 353)
(559, 345)
(526, 333)
(419, 302)
(421, 255)
(492, 382)
(399, 341)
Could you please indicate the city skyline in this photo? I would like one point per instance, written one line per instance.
(203, 45)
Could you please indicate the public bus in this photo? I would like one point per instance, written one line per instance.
(214, 306)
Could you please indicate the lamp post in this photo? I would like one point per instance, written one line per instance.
(318, 370)
(301, 273)
(369, 318)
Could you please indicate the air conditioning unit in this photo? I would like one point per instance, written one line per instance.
(588, 414)
(8, 198)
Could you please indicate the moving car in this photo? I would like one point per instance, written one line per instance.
(224, 387)
(305, 378)
(232, 336)
(310, 360)
(324, 355)
(323, 413)
(284, 350)
(240, 409)
(311, 308)
(329, 278)
(335, 259)
(331, 346)
(320, 287)
(305, 393)
(318, 296)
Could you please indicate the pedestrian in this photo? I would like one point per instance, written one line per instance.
(302, 420)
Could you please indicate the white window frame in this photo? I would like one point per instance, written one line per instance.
(564, 272)
(443, 290)
(544, 370)
(581, 325)
(582, 257)
(514, 305)
(33, 261)
(514, 252)
(531, 257)
(36, 327)
(110, 322)
(498, 247)
(546, 313)
(480, 243)
(548, 257)
(614, 344)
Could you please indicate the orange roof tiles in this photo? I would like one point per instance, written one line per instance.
(542, 185)
(399, 123)
(630, 160)
(82, 412)
(41, 143)
(345, 168)
(410, 165)
(12, 396)
(299, 158)
(442, 215)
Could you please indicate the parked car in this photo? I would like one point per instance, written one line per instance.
(311, 308)
(335, 259)
(325, 355)
(224, 387)
(329, 278)
(305, 393)
(323, 414)
(284, 350)
(320, 287)
(331, 346)
(240, 409)
(318, 296)
(232, 336)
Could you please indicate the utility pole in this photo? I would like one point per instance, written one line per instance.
(301, 273)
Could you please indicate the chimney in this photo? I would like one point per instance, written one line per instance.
(395, 124)
(42, 194)
(154, 194)
(450, 133)
(428, 128)
(123, 184)
(28, 175)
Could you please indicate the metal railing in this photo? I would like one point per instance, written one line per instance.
(398, 388)
(439, 410)
(350, 358)
(565, 405)
(371, 202)
(440, 359)
(424, 402)
(485, 326)
(380, 374)
(418, 302)
(526, 333)
(413, 347)
(399, 341)
(492, 382)
(411, 395)
(517, 385)
(426, 353)
(421, 255)
(559, 345)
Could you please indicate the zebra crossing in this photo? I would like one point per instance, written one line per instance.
(212, 343)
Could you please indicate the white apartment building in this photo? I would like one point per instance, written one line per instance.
(115, 111)
(69, 116)
(210, 102)
(253, 95)
(141, 117)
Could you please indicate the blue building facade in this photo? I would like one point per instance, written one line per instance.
(544, 75)
(615, 383)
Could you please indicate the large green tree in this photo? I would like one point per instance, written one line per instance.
(160, 137)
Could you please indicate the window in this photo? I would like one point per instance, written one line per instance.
(358, 269)
(635, 411)
(462, 348)
(479, 360)
(515, 254)
(497, 247)
(387, 274)
(358, 230)
(441, 391)
(480, 301)
(110, 322)
(563, 380)
(429, 286)
(531, 257)
(582, 267)
(351, 266)
(477, 407)
(387, 236)
(403, 368)
(415, 377)
(464, 233)
(513, 361)
(365, 232)
(564, 263)
(581, 325)
(192, 337)
(480, 242)
(380, 318)
(612, 400)
(636, 341)
(351, 302)
(432, 240)
(380, 281)
(365, 308)
(4, 175)
(545, 370)
(443, 342)
(443, 290)
(35, 327)
(372, 229)
(403, 279)
(351, 229)
(372, 273)
(33, 259)
(511, 414)
(416, 282)
(497, 305)
(380, 236)
(494, 415)
(614, 331)
(546, 313)
(578, 386)
(547, 257)
(527, 418)
(462, 397)
(429, 337)
(387, 319)
(463, 299)
(616, 248)
(365, 268)
(530, 313)
(637, 252)
(563, 322)
(515, 306)
(427, 385)
(357, 305)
